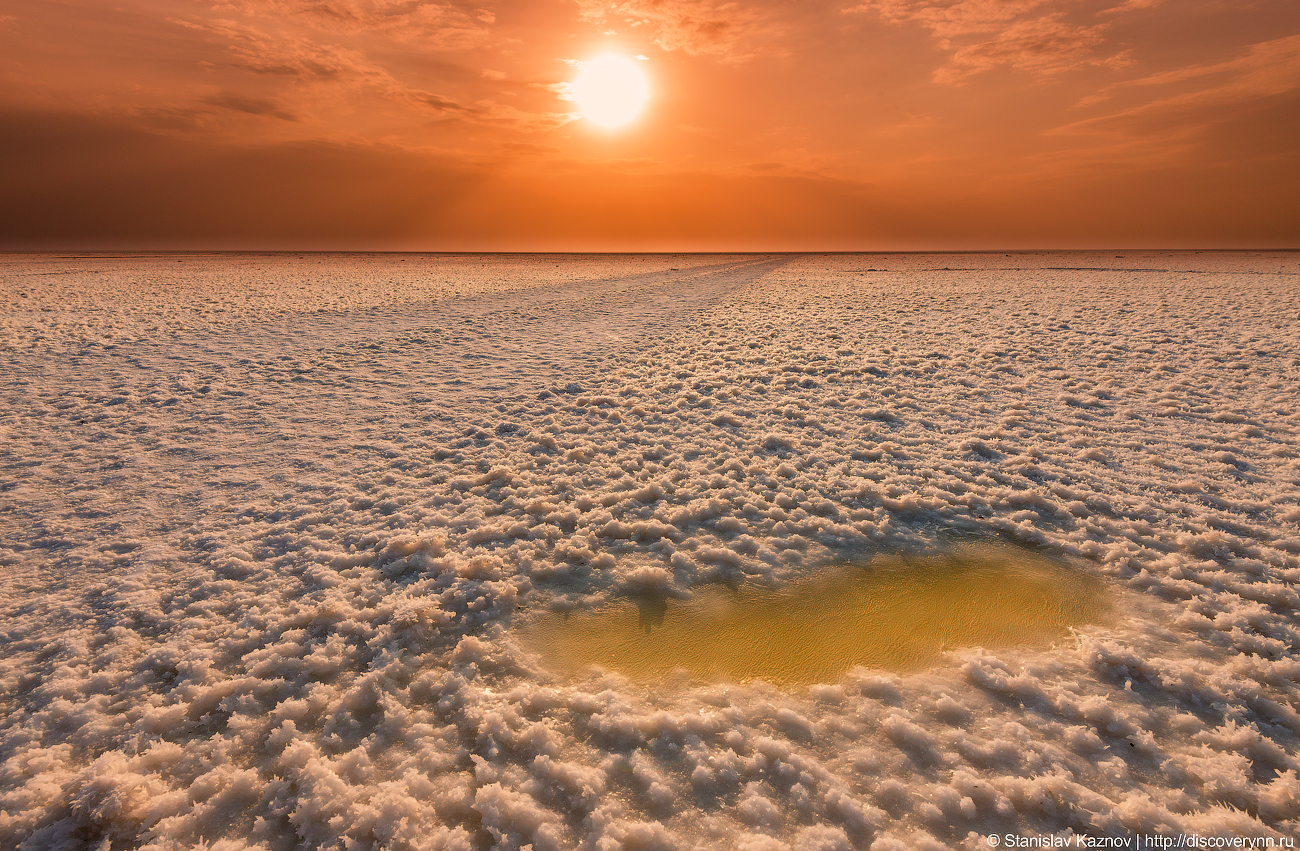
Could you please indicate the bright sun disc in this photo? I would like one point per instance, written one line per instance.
(609, 91)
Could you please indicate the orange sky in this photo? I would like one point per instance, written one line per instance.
(774, 125)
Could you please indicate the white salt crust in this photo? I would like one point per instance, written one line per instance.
(266, 522)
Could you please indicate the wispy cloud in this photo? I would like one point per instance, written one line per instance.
(725, 30)
(289, 56)
(431, 23)
(1266, 70)
(979, 35)
(310, 65)
(1131, 6)
(249, 105)
(1043, 45)
(953, 18)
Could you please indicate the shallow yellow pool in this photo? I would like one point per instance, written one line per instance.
(894, 612)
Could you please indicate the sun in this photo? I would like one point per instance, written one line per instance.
(609, 90)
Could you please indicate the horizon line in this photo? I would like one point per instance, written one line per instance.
(499, 251)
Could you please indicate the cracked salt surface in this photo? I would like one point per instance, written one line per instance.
(267, 523)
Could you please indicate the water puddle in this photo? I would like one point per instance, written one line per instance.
(896, 612)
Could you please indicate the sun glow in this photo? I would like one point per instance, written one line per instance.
(609, 90)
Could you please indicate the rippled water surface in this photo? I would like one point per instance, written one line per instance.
(896, 612)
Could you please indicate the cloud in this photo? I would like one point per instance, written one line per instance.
(430, 23)
(310, 62)
(1042, 45)
(1131, 6)
(1028, 35)
(289, 56)
(951, 19)
(1269, 69)
(198, 118)
(436, 102)
(696, 27)
(252, 106)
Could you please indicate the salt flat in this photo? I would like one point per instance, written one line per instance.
(270, 524)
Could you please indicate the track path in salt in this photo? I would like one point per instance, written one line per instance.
(111, 446)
